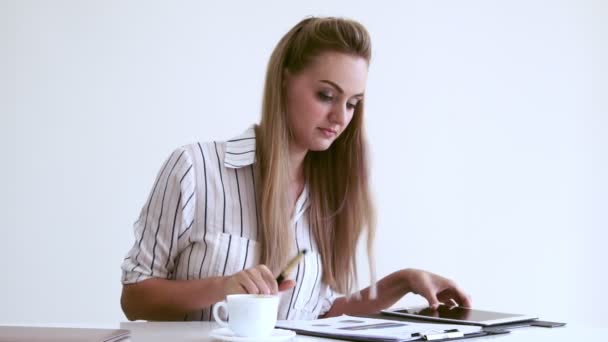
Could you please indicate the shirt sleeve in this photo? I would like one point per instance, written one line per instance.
(328, 301)
(165, 217)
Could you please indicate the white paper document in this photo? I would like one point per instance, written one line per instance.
(377, 329)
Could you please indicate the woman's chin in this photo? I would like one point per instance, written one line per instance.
(319, 146)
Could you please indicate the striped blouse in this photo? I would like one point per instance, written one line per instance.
(201, 220)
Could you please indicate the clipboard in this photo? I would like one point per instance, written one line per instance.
(433, 337)
(380, 329)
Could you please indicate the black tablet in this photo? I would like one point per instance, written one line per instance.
(459, 314)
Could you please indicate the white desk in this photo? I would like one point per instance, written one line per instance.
(199, 331)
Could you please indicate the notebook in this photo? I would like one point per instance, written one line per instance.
(46, 334)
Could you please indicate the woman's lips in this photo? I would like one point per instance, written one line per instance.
(327, 132)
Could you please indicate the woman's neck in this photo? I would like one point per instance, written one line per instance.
(296, 164)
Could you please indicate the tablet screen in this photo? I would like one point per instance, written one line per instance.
(459, 313)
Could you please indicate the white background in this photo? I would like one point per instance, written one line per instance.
(487, 122)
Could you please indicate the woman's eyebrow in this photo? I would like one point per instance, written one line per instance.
(338, 88)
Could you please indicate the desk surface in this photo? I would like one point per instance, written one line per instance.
(199, 331)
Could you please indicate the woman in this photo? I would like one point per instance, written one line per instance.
(225, 217)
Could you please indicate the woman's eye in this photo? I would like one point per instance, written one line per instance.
(351, 105)
(325, 96)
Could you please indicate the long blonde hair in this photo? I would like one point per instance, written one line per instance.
(341, 207)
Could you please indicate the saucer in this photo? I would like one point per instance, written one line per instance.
(225, 334)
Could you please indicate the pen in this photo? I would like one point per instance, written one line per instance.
(292, 263)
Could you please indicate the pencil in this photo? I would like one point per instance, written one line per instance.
(292, 263)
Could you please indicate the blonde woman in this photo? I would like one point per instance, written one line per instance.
(225, 217)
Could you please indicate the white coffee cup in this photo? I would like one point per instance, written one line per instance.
(249, 315)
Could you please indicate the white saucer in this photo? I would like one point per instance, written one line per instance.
(225, 334)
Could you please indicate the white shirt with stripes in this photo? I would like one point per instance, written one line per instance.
(201, 220)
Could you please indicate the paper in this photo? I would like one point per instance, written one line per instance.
(372, 328)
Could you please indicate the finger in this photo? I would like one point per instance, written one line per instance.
(456, 295)
(238, 289)
(461, 297)
(271, 281)
(432, 299)
(286, 284)
(446, 297)
(259, 281)
(465, 300)
(248, 284)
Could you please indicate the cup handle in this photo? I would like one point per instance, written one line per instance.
(216, 317)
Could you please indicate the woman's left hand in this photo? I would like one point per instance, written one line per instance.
(435, 289)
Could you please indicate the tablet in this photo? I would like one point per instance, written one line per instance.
(459, 314)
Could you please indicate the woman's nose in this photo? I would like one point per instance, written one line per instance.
(338, 114)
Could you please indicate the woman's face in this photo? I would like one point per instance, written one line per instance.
(321, 99)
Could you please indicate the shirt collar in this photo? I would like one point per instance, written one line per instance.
(240, 150)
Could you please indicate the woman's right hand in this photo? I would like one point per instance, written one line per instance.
(255, 280)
